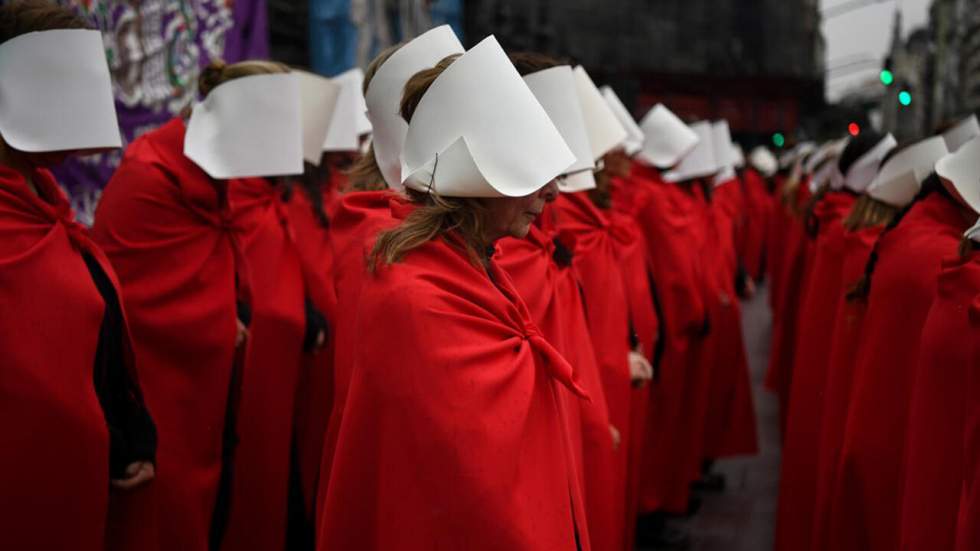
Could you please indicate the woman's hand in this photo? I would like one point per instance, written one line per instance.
(640, 369)
(241, 334)
(137, 474)
(616, 437)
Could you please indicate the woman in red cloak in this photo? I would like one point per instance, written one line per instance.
(74, 422)
(668, 220)
(211, 274)
(454, 432)
(862, 226)
(865, 508)
(934, 468)
(818, 312)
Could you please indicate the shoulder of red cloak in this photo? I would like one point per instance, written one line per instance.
(359, 217)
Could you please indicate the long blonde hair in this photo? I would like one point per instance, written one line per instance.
(434, 216)
(869, 212)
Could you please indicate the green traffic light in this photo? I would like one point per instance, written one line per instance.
(905, 98)
(887, 78)
(778, 139)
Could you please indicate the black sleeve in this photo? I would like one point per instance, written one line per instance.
(315, 323)
(132, 434)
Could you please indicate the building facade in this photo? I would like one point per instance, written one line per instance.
(758, 63)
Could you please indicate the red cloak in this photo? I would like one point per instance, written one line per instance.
(161, 222)
(778, 223)
(552, 293)
(178, 247)
(843, 343)
(757, 205)
(453, 434)
(968, 529)
(729, 424)
(788, 286)
(934, 465)
(355, 222)
(668, 219)
(631, 253)
(817, 317)
(54, 468)
(586, 229)
(314, 398)
(271, 372)
(865, 512)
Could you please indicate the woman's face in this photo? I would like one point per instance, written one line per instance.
(513, 216)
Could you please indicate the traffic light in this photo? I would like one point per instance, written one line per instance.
(854, 129)
(778, 139)
(905, 98)
(886, 75)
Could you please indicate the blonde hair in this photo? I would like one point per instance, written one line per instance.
(869, 212)
(434, 216)
(218, 72)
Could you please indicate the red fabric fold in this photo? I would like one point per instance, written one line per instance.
(934, 468)
(968, 529)
(552, 294)
(801, 445)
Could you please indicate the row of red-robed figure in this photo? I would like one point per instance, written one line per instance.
(261, 436)
(878, 393)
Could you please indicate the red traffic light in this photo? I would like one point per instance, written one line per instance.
(853, 129)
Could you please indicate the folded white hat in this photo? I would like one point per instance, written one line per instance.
(964, 131)
(318, 100)
(962, 171)
(700, 162)
(973, 233)
(724, 150)
(862, 172)
(764, 161)
(829, 149)
(739, 156)
(267, 142)
(384, 95)
(666, 139)
(56, 92)
(605, 131)
(900, 177)
(554, 88)
(634, 136)
(350, 117)
(479, 132)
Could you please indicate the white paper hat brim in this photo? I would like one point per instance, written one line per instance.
(860, 175)
(700, 162)
(764, 161)
(900, 179)
(962, 170)
(606, 133)
(963, 132)
(348, 122)
(384, 95)
(973, 233)
(667, 139)
(56, 92)
(318, 96)
(634, 136)
(268, 142)
(583, 180)
(481, 131)
(554, 89)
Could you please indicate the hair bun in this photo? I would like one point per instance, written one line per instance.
(211, 76)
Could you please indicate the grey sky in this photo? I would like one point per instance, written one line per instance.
(865, 32)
